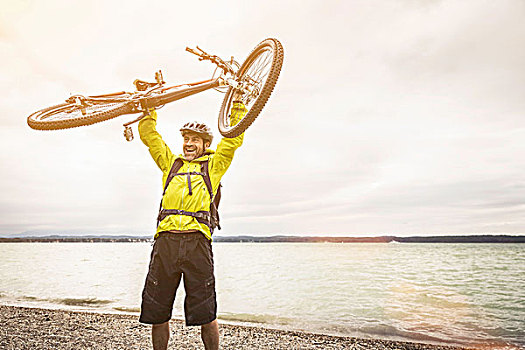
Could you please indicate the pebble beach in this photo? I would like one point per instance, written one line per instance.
(32, 328)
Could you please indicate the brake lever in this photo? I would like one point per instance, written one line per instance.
(203, 55)
(192, 51)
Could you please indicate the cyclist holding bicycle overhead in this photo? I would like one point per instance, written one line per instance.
(186, 221)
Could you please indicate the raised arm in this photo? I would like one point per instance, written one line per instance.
(226, 148)
(158, 149)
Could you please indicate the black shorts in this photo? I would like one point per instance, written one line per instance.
(177, 255)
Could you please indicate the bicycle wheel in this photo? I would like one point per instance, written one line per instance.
(259, 73)
(67, 115)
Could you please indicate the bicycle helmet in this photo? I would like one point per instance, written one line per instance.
(199, 128)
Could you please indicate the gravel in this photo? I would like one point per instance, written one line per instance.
(31, 328)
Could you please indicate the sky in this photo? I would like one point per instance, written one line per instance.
(389, 117)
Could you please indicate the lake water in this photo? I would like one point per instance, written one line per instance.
(468, 294)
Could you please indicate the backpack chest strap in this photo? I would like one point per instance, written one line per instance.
(177, 164)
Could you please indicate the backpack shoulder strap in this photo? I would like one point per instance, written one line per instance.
(206, 176)
(214, 199)
(177, 164)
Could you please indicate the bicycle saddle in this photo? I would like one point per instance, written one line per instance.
(142, 85)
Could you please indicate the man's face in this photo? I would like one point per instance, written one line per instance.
(193, 146)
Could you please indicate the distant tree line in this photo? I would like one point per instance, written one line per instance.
(291, 239)
(463, 239)
(72, 239)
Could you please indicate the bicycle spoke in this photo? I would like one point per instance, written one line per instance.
(256, 66)
(56, 116)
(267, 61)
(260, 65)
(260, 71)
(253, 68)
(264, 59)
(255, 75)
(75, 112)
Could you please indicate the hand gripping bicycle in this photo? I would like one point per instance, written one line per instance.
(250, 83)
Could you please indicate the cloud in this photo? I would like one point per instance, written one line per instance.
(472, 57)
(402, 117)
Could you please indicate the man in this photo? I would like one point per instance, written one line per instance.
(182, 245)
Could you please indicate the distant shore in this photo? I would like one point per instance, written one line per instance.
(28, 328)
(281, 239)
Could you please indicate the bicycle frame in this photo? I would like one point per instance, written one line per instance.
(142, 102)
(191, 89)
(141, 99)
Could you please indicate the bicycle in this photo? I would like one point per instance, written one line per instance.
(251, 83)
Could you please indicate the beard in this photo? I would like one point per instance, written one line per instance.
(192, 152)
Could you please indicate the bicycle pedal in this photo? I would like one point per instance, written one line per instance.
(128, 133)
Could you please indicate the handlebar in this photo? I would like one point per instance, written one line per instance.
(193, 51)
(203, 56)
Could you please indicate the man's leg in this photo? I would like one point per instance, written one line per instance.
(160, 334)
(210, 335)
(200, 304)
(160, 288)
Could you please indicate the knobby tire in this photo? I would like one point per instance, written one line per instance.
(72, 115)
(262, 98)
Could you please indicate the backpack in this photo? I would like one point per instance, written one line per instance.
(209, 218)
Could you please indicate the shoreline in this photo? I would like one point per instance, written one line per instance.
(37, 328)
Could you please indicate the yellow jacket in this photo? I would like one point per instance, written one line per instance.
(177, 194)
